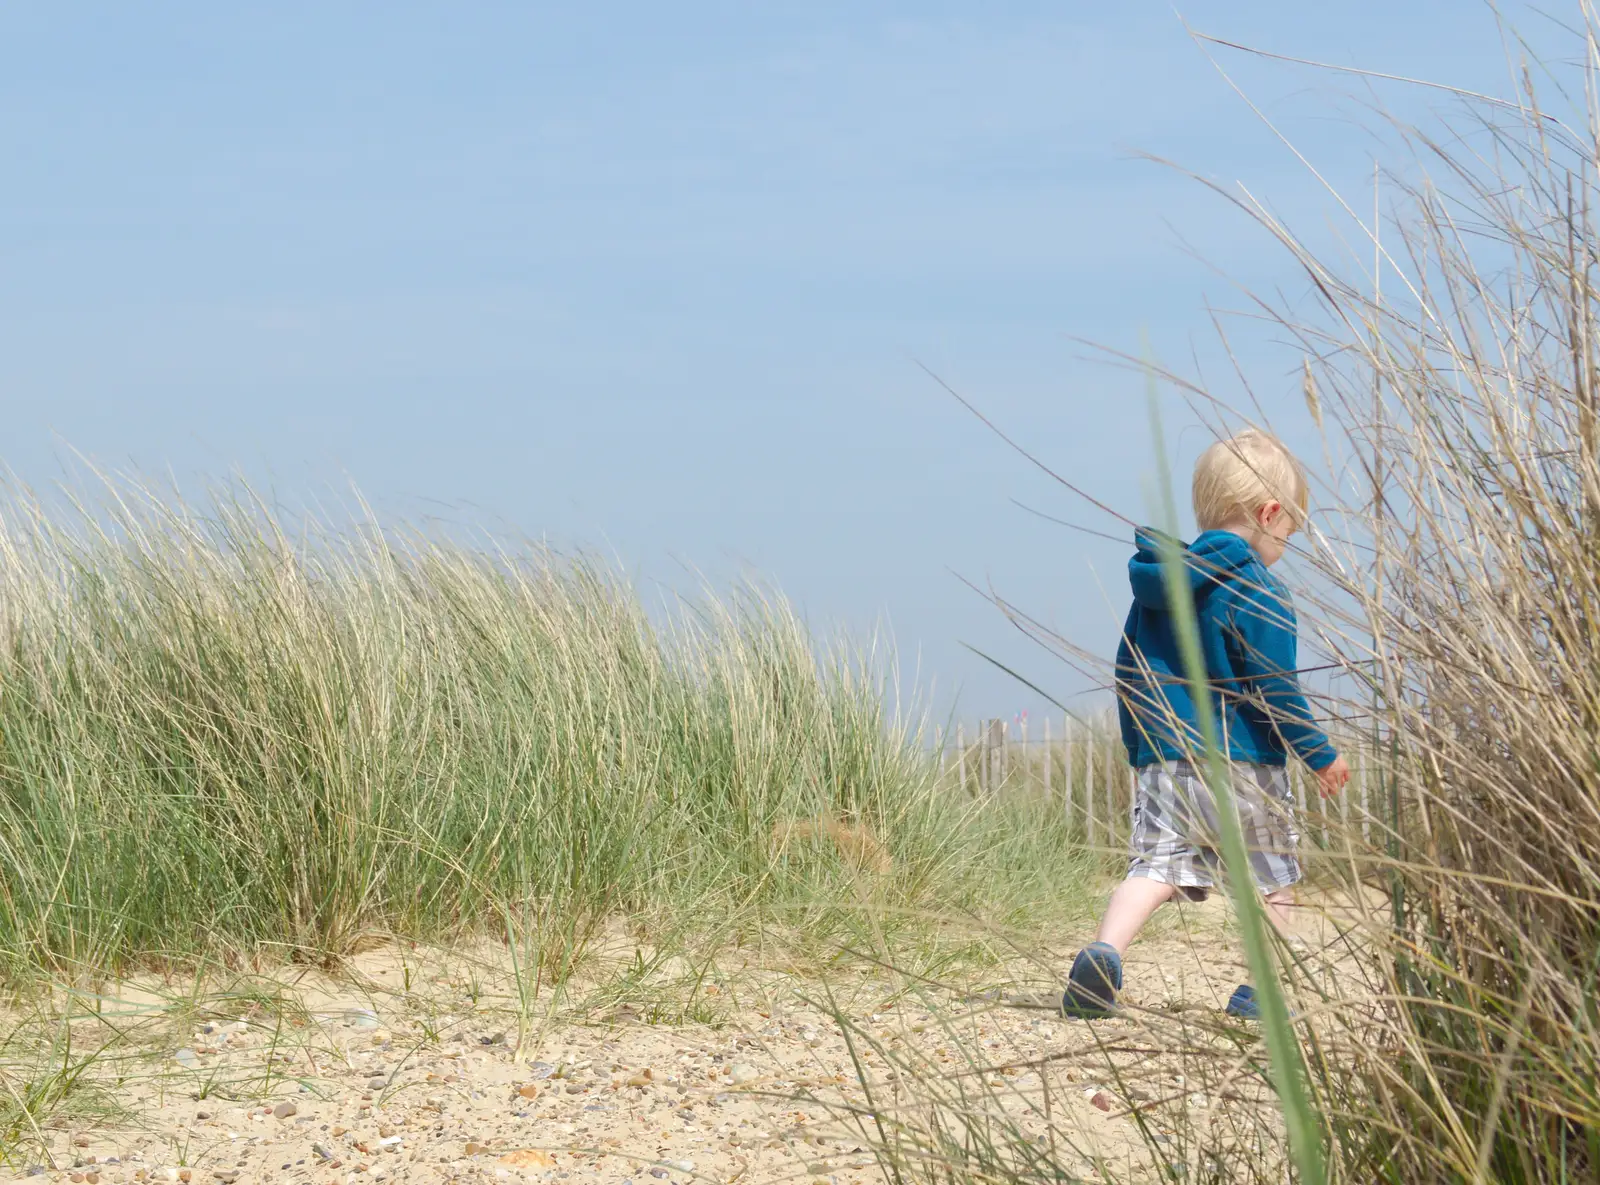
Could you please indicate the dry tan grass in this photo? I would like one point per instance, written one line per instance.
(855, 841)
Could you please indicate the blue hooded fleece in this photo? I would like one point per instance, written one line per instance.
(1247, 633)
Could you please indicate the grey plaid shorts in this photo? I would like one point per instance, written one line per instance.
(1175, 836)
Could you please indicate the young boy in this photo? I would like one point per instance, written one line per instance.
(1249, 497)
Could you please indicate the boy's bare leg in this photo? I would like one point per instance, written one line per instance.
(1280, 907)
(1131, 905)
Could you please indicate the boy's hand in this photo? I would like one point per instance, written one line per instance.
(1331, 780)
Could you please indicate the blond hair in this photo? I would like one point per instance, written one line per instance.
(1236, 477)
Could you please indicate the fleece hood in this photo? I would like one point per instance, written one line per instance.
(1210, 561)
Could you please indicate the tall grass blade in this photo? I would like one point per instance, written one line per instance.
(1288, 1067)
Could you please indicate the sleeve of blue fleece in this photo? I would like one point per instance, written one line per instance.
(1269, 648)
(1125, 665)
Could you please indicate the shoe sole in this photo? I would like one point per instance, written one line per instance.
(1077, 1011)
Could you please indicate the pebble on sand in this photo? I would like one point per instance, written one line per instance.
(528, 1158)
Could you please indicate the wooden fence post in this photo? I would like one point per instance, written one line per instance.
(995, 744)
(1066, 768)
(1112, 814)
(961, 755)
(1047, 758)
(981, 745)
(1088, 780)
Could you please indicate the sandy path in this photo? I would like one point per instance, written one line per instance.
(402, 1069)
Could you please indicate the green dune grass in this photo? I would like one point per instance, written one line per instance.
(218, 740)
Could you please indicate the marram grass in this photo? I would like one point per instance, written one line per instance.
(1448, 1018)
(218, 739)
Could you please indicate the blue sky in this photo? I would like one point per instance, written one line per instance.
(660, 280)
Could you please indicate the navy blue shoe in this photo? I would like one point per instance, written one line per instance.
(1243, 1003)
(1093, 983)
